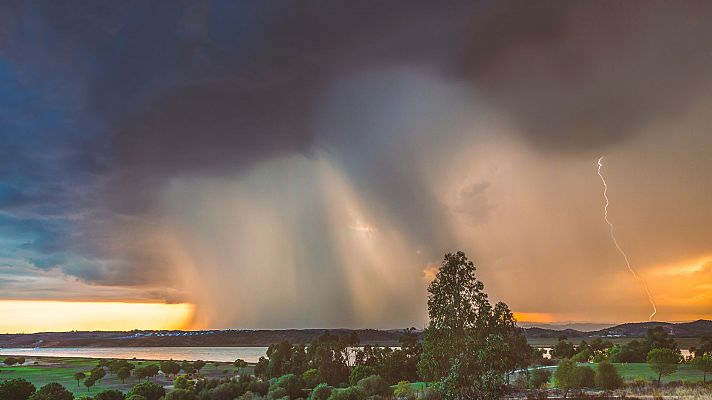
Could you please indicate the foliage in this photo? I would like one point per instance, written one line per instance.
(539, 378)
(403, 390)
(567, 376)
(374, 385)
(10, 361)
(240, 364)
(109, 395)
(468, 343)
(16, 389)
(147, 371)
(582, 356)
(292, 385)
(182, 382)
(169, 367)
(350, 393)
(52, 391)
(135, 397)
(123, 373)
(663, 361)
(180, 394)
(586, 376)
(607, 376)
(312, 377)
(149, 390)
(563, 349)
(702, 363)
(359, 372)
(329, 354)
(321, 391)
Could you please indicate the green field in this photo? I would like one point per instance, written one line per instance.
(634, 371)
(62, 370)
(631, 371)
(683, 343)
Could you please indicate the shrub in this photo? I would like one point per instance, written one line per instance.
(182, 382)
(149, 390)
(582, 356)
(322, 391)
(607, 376)
(258, 387)
(431, 393)
(16, 389)
(52, 391)
(350, 393)
(291, 383)
(135, 397)
(403, 390)
(539, 378)
(110, 395)
(359, 372)
(374, 385)
(311, 378)
(586, 376)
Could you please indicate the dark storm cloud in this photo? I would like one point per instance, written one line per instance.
(104, 102)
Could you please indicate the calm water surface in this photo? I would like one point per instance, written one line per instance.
(223, 354)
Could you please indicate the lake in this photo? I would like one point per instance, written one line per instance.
(222, 354)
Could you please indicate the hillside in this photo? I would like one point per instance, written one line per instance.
(224, 338)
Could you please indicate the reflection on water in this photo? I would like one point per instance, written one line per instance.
(223, 354)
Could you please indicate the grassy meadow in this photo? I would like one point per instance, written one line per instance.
(42, 370)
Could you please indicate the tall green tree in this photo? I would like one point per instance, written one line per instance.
(663, 361)
(465, 346)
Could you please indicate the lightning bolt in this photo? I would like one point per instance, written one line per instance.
(615, 242)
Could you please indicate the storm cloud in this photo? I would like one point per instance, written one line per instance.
(329, 151)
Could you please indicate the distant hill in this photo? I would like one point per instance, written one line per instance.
(633, 329)
(224, 338)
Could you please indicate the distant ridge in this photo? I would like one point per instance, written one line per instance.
(247, 338)
(701, 327)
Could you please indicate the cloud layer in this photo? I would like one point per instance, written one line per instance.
(283, 165)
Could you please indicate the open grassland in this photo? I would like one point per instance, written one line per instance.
(633, 371)
(42, 370)
(683, 343)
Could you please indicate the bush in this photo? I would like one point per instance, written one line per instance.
(607, 376)
(112, 394)
(149, 390)
(374, 385)
(539, 378)
(582, 356)
(180, 394)
(52, 391)
(350, 393)
(135, 397)
(311, 378)
(291, 383)
(359, 372)
(431, 393)
(403, 390)
(258, 387)
(586, 376)
(322, 391)
(16, 389)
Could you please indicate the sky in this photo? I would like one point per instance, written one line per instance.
(214, 164)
